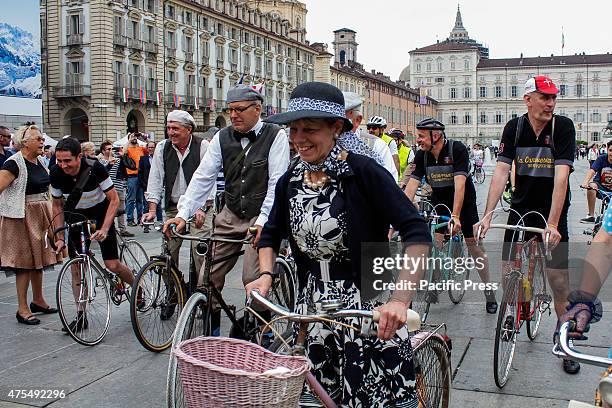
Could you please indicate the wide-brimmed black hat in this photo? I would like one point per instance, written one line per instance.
(313, 100)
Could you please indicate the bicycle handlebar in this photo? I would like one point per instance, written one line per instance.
(519, 228)
(214, 238)
(413, 321)
(564, 350)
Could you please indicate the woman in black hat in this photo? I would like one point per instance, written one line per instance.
(327, 204)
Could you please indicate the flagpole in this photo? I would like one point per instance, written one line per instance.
(562, 40)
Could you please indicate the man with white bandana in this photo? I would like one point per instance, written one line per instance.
(174, 162)
(253, 156)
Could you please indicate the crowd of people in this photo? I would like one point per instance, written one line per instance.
(312, 176)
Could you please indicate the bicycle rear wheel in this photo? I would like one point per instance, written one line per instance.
(155, 312)
(457, 251)
(479, 176)
(133, 255)
(191, 324)
(433, 371)
(539, 298)
(506, 331)
(87, 301)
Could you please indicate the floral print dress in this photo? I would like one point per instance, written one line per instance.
(355, 371)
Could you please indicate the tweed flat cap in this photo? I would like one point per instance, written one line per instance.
(352, 100)
(243, 93)
(182, 117)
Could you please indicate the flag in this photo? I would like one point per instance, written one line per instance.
(241, 80)
(562, 38)
(124, 95)
(423, 96)
(177, 100)
(159, 98)
(260, 88)
(143, 96)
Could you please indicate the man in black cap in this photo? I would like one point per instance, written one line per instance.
(253, 155)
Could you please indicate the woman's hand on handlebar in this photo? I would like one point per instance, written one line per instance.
(178, 222)
(261, 284)
(392, 317)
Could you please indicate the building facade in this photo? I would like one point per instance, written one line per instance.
(393, 100)
(114, 66)
(478, 95)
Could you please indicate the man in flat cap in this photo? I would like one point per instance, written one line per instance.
(174, 162)
(253, 155)
(352, 105)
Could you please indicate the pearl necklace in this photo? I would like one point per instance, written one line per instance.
(315, 185)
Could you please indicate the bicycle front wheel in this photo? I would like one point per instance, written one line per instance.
(133, 255)
(506, 331)
(83, 301)
(539, 298)
(191, 324)
(433, 371)
(156, 308)
(456, 291)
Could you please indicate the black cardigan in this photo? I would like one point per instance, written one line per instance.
(373, 202)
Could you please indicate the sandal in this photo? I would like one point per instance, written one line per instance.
(44, 310)
(30, 320)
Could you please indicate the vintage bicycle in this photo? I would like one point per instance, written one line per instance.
(85, 288)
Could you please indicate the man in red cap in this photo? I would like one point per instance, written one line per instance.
(541, 145)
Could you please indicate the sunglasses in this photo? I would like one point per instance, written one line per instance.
(372, 127)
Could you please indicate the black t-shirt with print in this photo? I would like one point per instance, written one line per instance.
(440, 174)
(93, 203)
(38, 178)
(535, 159)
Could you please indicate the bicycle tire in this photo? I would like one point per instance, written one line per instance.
(502, 357)
(67, 305)
(283, 290)
(155, 283)
(279, 346)
(422, 300)
(457, 251)
(538, 290)
(433, 372)
(133, 255)
(185, 329)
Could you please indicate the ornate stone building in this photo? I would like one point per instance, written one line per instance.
(478, 95)
(113, 66)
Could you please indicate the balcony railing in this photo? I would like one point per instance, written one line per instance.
(120, 40)
(188, 56)
(171, 52)
(151, 47)
(135, 44)
(74, 39)
(74, 87)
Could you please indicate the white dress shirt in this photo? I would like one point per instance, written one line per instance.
(205, 177)
(380, 147)
(155, 185)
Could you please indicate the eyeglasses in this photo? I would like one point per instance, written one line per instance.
(240, 109)
(372, 127)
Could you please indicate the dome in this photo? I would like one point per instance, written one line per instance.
(405, 74)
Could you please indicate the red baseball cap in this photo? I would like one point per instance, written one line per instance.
(541, 84)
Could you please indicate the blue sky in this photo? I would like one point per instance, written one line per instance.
(22, 13)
